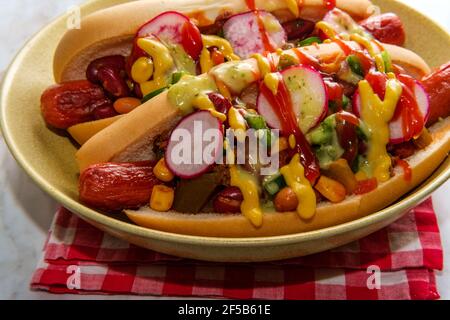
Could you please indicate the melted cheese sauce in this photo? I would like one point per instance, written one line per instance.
(376, 114)
(249, 187)
(163, 66)
(294, 174)
(236, 75)
(191, 92)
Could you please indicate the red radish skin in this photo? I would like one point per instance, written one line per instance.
(396, 126)
(168, 27)
(311, 93)
(243, 33)
(192, 170)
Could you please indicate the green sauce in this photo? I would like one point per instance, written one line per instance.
(236, 75)
(183, 93)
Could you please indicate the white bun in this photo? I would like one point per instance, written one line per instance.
(110, 31)
(423, 163)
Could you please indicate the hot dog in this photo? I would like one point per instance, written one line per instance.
(339, 159)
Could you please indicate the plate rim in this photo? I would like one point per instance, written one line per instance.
(419, 194)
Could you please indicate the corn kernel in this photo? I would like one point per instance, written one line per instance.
(283, 144)
(162, 172)
(162, 198)
(292, 141)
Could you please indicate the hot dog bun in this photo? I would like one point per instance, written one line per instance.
(158, 116)
(423, 163)
(111, 31)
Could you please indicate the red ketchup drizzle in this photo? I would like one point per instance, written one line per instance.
(413, 121)
(306, 58)
(344, 47)
(329, 4)
(282, 105)
(262, 30)
(251, 4)
(366, 186)
(406, 168)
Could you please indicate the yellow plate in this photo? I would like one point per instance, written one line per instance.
(49, 158)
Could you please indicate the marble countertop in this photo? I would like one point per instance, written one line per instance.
(26, 212)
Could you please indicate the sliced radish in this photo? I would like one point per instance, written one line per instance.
(396, 126)
(309, 98)
(194, 145)
(172, 28)
(168, 27)
(244, 34)
(342, 22)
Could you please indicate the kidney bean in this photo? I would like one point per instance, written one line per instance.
(221, 103)
(348, 139)
(228, 201)
(298, 29)
(110, 73)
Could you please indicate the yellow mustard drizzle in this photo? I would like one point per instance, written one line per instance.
(376, 114)
(263, 64)
(237, 123)
(223, 90)
(292, 5)
(249, 187)
(294, 175)
(163, 65)
(272, 80)
(221, 44)
(202, 102)
(327, 29)
(372, 49)
(206, 62)
(142, 70)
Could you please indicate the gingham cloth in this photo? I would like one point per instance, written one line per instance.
(81, 259)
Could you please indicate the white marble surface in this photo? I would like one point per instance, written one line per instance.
(26, 212)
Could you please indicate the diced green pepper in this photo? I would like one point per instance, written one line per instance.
(345, 102)
(256, 121)
(355, 65)
(387, 61)
(176, 76)
(273, 184)
(309, 41)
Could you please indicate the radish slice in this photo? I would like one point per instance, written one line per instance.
(168, 27)
(309, 98)
(342, 22)
(244, 35)
(194, 145)
(396, 126)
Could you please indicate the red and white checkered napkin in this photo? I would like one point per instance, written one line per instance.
(81, 259)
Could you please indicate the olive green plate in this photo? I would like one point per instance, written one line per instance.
(49, 158)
